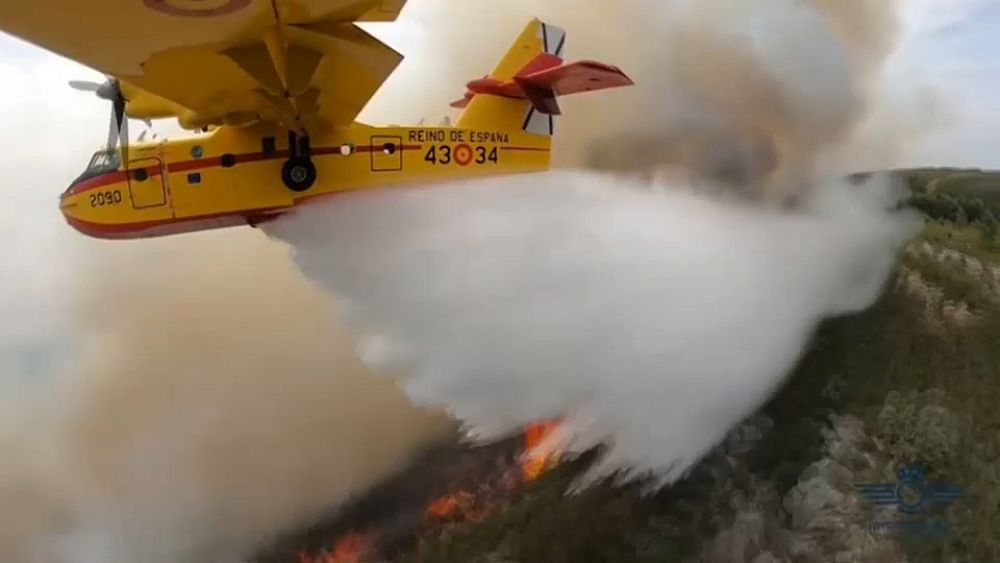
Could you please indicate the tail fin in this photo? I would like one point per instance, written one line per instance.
(522, 90)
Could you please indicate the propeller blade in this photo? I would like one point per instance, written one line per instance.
(84, 85)
(118, 127)
(122, 122)
(112, 130)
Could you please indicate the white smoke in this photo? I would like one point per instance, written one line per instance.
(758, 94)
(208, 402)
(654, 319)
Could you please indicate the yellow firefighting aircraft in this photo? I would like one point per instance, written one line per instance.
(273, 87)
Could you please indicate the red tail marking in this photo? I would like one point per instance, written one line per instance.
(581, 76)
(545, 78)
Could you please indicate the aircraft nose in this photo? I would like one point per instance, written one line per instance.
(68, 207)
(71, 204)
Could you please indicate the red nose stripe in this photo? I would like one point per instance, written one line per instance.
(172, 226)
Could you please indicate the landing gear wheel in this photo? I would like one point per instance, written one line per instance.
(298, 174)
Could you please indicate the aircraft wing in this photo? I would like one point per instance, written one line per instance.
(209, 62)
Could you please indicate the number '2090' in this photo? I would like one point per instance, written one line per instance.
(110, 197)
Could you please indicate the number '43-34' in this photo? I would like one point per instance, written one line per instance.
(462, 154)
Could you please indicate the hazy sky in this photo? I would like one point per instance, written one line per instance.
(948, 55)
(953, 45)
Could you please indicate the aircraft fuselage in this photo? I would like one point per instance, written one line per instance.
(234, 175)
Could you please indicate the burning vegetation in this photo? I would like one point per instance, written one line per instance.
(447, 487)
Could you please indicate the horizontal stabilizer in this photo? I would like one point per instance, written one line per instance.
(545, 78)
(578, 77)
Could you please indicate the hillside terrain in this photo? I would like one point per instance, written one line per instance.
(956, 182)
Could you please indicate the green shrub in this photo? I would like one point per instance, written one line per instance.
(919, 427)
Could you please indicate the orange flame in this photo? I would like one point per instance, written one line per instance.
(349, 549)
(449, 505)
(538, 457)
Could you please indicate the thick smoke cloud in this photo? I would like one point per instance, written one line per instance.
(653, 318)
(210, 402)
(754, 94)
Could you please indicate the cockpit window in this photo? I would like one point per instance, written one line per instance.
(104, 161)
